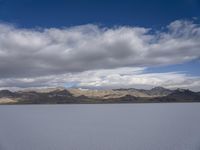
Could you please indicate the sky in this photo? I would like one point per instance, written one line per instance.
(100, 44)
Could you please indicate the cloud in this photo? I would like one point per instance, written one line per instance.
(108, 78)
(32, 52)
(137, 78)
(40, 57)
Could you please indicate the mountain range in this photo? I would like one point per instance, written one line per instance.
(78, 95)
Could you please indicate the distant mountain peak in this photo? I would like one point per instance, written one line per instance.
(182, 90)
(159, 88)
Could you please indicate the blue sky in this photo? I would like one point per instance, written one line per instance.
(61, 23)
(59, 13)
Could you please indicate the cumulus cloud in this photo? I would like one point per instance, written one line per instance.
(38, 57)
(32, 52)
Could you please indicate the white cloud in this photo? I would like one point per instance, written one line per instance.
(31, 52)
(135, 79)
(111, 78)
(52, 56)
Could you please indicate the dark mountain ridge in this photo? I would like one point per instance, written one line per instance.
(69, 96)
